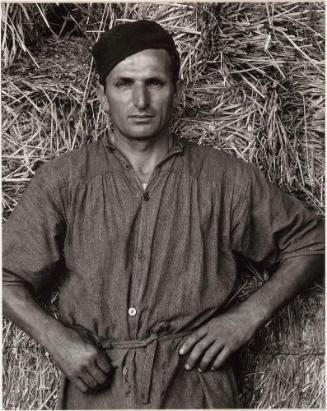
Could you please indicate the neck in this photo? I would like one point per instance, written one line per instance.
(143, 154)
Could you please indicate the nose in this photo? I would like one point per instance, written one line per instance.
(140, 96)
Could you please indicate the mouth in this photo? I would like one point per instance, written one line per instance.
(141, 118)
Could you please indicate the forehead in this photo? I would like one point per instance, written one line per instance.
(144, 63)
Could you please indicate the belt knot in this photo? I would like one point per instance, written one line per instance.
(159, 332)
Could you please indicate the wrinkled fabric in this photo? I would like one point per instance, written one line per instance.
(136, 258)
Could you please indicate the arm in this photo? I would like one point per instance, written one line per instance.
(33, 240)
(82, 363)
(268, 227)
(212, 343)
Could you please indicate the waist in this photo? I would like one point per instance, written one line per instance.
(159, 332)
(142, 343)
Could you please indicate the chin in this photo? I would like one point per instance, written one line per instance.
(142, 134)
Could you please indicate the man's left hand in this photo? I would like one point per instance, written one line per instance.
(212, 344)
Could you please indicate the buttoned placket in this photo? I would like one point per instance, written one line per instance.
(130, 398)
(141, 257)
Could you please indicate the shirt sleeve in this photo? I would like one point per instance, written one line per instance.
(272, 226)
(33, 237)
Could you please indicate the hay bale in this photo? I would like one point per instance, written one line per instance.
(290, 369)
(45, 111)
(262, 95)
(254, 79)
(30, 378)
(22, 25)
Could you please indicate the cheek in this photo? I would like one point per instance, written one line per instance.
(165, 103)
(117, 109)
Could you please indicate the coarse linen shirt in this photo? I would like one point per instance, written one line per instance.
(145, 267)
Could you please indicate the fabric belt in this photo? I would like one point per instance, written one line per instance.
(149, 343)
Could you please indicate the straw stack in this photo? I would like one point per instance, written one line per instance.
(254, 86)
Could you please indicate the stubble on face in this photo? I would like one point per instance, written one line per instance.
(140, 95)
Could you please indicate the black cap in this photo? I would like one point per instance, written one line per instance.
(126, 39)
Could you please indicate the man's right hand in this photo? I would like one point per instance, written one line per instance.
(79, 359)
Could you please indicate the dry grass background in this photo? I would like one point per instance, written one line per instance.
(254, 76)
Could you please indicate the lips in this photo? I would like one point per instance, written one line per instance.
(141, 116)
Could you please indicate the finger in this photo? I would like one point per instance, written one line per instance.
(104, 364)
(80, 385)
(221, 358)
(191, 340)
(197, 352)
(209, 356)
(99, 376)
(88, 379)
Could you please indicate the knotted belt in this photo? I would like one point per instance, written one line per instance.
(150, 343)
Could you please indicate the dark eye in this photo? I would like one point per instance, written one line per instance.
(155, 82)
(123, 82)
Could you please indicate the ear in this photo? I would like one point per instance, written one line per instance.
(179, 88)
(102, 97)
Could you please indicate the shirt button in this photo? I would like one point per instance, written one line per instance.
(124, 370)
(132, 311)
(141, 256)
(146, 196)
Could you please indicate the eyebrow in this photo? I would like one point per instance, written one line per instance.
(131, 78)
(124, 78)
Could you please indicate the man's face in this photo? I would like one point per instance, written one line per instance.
(139, 94)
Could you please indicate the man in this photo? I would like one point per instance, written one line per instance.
(148, 229)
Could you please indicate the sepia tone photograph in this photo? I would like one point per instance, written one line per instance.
(163, 205)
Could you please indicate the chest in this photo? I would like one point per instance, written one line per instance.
(110, 212)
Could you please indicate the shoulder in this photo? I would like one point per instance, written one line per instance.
(216, 164)
(83, 162)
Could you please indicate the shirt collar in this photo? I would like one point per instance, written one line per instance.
(177, 147)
